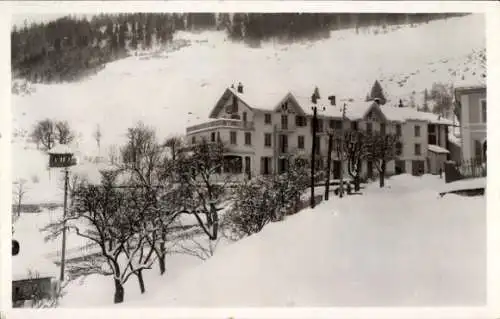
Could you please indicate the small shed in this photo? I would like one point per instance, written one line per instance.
(61, 156)
(436, 158)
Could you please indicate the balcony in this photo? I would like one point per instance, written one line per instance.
(221, 123)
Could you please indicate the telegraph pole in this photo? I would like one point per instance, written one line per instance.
(63, 250)
(341, 155)
(328, 166)
(313, 151)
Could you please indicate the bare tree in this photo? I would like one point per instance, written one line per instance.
(64, 133)
(110, 217)
(197, 171)
(19, 192)
(381, 150)
(442, 95)
(44, 133)
(354, 146)
(97, 136)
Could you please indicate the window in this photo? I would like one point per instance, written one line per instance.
(319, 127)
(265, 165)
(218, 136)
(417, 130)
(284, 122)
(432, 139)
(212, 137)
(354, 126)
(399, 148)
(233, 164)
(267, 139)
(369, 128)
(193, 139)
(382, 128)
(432, 128)
(398, 129)
(300, 142)
(267, 118)
(417, 149)
(300, 121)
(483, 111)
(284, 143)
(318, 145)
(232, 137)
(248, 168)
(248, 138)
(244, 116)
(283, 165)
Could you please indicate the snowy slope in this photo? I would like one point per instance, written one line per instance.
(359, 251)
(162, 91)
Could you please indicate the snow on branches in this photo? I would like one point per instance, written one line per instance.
(381, 149)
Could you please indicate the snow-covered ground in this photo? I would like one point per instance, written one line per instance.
(402, 245)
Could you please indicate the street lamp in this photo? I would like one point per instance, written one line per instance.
(314, 99)
(61, 156)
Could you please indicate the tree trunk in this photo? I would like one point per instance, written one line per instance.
(19, 207)
(119, 292)
(161, 257)
(141, 281)
(382, 175)
(356, 183)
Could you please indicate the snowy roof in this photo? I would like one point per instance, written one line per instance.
(402, 114)
(437, 149)
(61, 149)
(355, 110)
(259, 100)
(469, 85)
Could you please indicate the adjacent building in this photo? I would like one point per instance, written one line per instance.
(260, 130)
(471, 101)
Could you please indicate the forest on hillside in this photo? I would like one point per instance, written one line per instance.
(72, 47)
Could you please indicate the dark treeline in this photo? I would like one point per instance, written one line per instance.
(72, 47)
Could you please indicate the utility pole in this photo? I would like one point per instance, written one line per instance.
(328, 166)
(329, 155)
(314, 99)
(313, 151)
(341, 154)
(63, 250)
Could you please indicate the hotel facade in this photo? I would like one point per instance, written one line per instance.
(260, 130)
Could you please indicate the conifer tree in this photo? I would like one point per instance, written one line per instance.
(377, 93)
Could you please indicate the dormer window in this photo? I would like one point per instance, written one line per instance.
(284, 107)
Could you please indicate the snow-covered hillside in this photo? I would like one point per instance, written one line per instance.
(162, 91)
(175, 89)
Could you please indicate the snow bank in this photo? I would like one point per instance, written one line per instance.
(465, 184)
(397, 247)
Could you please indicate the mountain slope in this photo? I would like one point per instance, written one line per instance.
(171, 90)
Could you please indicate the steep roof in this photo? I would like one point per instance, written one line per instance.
(355, 110)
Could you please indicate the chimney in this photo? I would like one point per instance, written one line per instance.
(240, 88)
(332, 100)
(400, 103)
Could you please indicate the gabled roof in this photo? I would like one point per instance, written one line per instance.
(296, 104)
(253, 100)
(355, 110)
